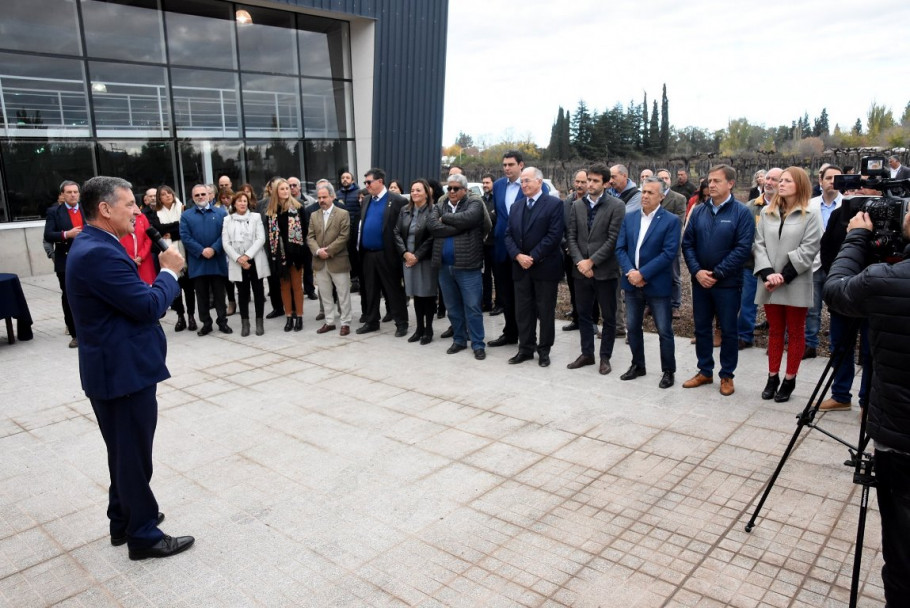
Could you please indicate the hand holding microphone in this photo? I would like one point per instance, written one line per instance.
(170, 257)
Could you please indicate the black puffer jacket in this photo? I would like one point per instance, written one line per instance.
(880, 293)
(465, 224)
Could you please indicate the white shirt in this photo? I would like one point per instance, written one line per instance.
(646, 219)
(895, 170)
(325, 215)
(513, 189)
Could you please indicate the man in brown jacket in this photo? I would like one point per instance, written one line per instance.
(327, 238)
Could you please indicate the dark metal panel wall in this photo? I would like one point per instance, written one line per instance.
(409, 80)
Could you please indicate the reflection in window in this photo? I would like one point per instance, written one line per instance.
(130, 103)
(265, 160)
(200, 33)
(123, 29)
(271, 106)
(324, 45)
(42, 97)
(34, 170)
(327, 108)
(268, 44)
(202, 161)
(145, 164)
(45, 26)
(327, 159)
(206, 103)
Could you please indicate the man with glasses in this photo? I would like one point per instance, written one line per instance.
(200, 231)
(380, 265)
(310, 206)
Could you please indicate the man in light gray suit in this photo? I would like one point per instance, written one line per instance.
(591, 235)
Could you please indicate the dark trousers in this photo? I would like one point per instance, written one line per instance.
(128, 427)
(251, 281)
(843, 332)
(229, 291)
(505, 293)
(309, 285)
(275, 293)
(67, 314)
(706, 304)
(189, 292)
(589, 293)
(661, 311)
(424, 311)
(353, 253)
(569, 265)
(488, 279)
(379, 277)
(892, 474)
(535, 301)
(210, 284)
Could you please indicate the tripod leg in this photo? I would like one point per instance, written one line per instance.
(780, 466)
(860, 535)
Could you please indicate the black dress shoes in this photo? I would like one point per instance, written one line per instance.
(447, 333)
(581, 361)
(298, 323)
(289, 324)
(666, 380)
(810, 353)
(497, 310)
(502, 341)
(311, 295)
(770, 387)
(274, 314)
(570, 327)
(387, 317)
(426, 338)
(224, 328)
(205, 330)
(166, 547)
(633, 373)
(401, 331)
(543, 360)
(121, 539)
(416, 336)
(785, 390)
(181, 323)
(480, 354)
(519, 358)
(191, 324)
(605, 367)
(367, 328)
(455, 348)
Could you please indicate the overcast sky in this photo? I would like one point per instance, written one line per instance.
(510, 65)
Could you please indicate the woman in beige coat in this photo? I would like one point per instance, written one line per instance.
(787, 238)
(243, 238)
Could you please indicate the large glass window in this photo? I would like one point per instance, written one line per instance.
(206, 103)
(327, 108)
(34, 170)
(130, 103)
(324, 45)
(123, 29)
(43, 96)
(265, 160)
(200, 33)
(327, 159)
(145, 164)
(268, 42)
(271, 106)
(44, 26)
(202, 161)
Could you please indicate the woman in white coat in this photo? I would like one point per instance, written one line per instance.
(243, 237)
(787, 238)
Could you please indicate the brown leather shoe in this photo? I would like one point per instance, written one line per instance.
(697, 380)
(581, 361)
(605, 367)
(726, 386)
(326, 328)
(831, 405)
(345, 330)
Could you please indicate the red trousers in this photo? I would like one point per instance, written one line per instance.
(793, 320)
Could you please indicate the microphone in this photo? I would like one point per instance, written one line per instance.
(157, 239)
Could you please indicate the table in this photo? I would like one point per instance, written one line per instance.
(13, 305)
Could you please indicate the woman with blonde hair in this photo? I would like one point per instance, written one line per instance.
(787, 239)
(243, 237)
(286, 236)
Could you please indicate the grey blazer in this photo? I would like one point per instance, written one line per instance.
(797, 242)
(598, 244)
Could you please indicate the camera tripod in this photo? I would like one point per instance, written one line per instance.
(860, 460)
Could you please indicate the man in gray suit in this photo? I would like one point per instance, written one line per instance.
(591, 234)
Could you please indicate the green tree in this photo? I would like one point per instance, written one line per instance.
(464, 140)
(905, 119)
(646, 143)
(857, 127)
(654, 133)
(664, 122)
(878, 119)
(820, 128)
(582, 131)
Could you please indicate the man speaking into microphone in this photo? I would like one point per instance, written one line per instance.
(122, 352)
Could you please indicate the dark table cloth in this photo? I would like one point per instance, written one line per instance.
(13, 305)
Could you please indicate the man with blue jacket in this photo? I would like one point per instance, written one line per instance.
(716, 244)
(648, 243)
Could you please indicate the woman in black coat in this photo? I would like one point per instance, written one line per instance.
(415, 246)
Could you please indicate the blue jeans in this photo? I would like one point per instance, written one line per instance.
(814, 318)
(747, 308)
(663, 319)
(462, 291)
(843, 376)
(892, 475)
(706, 303)
(676, 294)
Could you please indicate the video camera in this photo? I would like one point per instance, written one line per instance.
(886, 212)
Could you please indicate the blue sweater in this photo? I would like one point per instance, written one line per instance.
(721, 243)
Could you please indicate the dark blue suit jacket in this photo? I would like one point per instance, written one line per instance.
(57, 221)
(122, 347)
(500, 254)
(658, 250)
(542, 239)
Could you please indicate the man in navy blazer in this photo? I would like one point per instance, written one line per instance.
(122, 352)
(62, 225)
(648, 243)
(532, 239)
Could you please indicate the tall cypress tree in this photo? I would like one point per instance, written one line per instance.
(646, 142)
(654, 132)
(664, 122)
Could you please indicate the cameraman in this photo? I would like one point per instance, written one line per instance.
(881, 293)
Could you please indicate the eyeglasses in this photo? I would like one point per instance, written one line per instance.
(294, 185)
(454, 188)
(367, 182)
(198, 194)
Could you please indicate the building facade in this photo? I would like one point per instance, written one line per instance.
(179, 92)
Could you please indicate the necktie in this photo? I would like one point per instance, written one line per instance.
(530, 203)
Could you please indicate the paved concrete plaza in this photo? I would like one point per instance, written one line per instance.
(316, 470)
